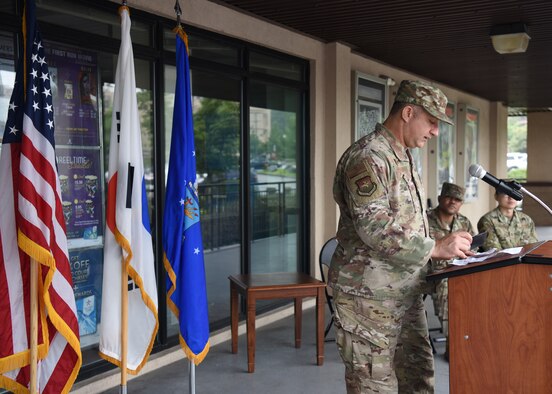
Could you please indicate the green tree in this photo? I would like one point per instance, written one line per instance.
(517, 134)
(256, 147)
(282, 135)
(217, 138)
(145, 110)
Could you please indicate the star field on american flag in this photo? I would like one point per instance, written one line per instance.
(39, 104)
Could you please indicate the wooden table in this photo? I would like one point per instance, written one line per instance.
(270, 286)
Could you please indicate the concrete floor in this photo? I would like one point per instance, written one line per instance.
(279, 366)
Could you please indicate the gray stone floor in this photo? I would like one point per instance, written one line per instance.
(279, 367)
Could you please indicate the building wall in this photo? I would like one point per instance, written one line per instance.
(331, 125)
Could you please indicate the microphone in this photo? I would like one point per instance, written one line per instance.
(509, 188)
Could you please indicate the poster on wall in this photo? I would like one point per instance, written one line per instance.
(74, 84)
(80, 180)
(471, 147)
(86, 271)
(369, 114)
(446, 149)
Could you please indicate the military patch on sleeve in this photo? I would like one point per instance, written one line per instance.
(363, 184)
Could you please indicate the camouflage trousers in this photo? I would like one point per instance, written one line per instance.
(384, 345)
(440, 304)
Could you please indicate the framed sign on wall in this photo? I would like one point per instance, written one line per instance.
(370, 103)
(446, 149)
(468, 150)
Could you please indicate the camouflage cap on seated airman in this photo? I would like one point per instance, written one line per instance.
(431, 98)
(452, 190)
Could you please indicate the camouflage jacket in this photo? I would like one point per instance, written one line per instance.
(504, 233)
(383, 235)
(438, 230)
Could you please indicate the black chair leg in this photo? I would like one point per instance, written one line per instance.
(433, 350)
(327, 330)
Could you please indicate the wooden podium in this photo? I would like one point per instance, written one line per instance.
(500, 323)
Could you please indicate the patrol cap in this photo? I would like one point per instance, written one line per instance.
(429, 97)
(452, 190)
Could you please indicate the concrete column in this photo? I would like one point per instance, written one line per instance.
(337, 119)
(330, 136)
(338, 98)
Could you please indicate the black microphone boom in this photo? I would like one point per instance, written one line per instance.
(510, 188)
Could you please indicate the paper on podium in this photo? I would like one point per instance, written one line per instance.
(479, 257)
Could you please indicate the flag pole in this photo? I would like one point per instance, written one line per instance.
(192, 377)
(191, 365)
(178, 12)
(34, 289)
(124, 327)
(191, 368)
(34, 326)
(124, 316)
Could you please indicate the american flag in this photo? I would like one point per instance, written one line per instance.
(32, 226)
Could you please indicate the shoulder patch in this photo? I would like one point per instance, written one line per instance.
(363, 184)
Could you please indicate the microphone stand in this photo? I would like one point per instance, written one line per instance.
(524, 190)
(515, 185)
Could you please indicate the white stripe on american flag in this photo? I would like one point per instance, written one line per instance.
(15, 290)
(47, 366)
(44, 188)
(64, 290)
(41, 186)
(40, 143)
(11, 253)
(28, 212)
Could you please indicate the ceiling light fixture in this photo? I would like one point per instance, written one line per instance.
(510, 38)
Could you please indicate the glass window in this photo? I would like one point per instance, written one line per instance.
(87, 18)
(82, 91)
(205, 48)
(216, 109)
(276, 66)
(516, 161)
(7, 76)
(7, 6)
(74, 84)
(275, 126)
(83, 78)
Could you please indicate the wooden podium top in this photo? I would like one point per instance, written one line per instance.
(535, 253)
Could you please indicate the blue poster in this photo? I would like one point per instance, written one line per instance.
(86, 270)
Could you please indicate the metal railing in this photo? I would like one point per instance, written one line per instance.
(274, 211)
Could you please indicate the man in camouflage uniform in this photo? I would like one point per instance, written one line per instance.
(443, 220)
(505, 226)
(378, 269)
